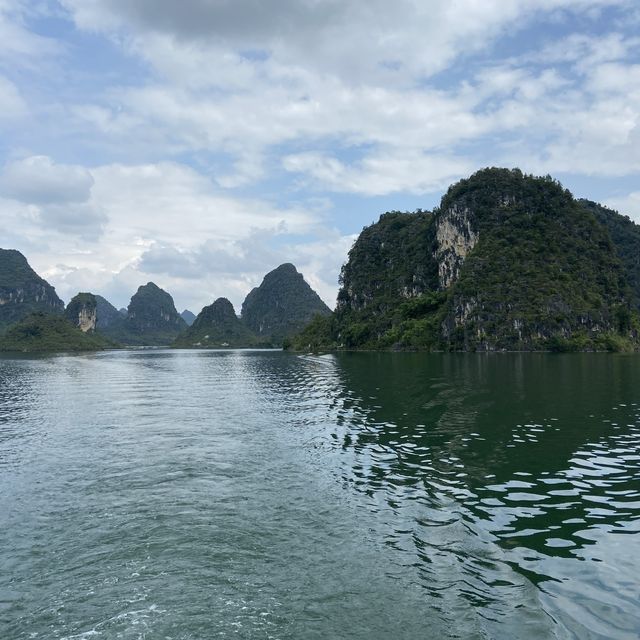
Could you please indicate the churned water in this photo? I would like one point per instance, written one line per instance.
(252, 494)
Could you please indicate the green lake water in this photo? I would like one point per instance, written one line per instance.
(252, 494)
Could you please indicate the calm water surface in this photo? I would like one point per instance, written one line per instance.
(194, 495)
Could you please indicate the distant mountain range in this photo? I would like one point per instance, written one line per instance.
(281, 306)
(507, 261)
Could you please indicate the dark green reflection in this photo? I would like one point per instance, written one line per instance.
(541, 446)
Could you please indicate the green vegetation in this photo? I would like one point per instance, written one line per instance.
(49, 332)
(281, 306)
(508, 261)
(542, 267)
(217, 326)
(22, 290)
(388, 284)
(626, 238)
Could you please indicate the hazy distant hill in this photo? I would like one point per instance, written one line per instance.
(107, 315)
(508, 261)
(22, 290)
(188, 316)
(282, 305)
(217, 326)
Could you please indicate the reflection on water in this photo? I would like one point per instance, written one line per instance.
(524, 460)
(261, 494)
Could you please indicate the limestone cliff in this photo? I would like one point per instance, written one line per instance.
(82, 312)
(45, 332)
(455, 238)
(391, 260)
(22, 290)
(524, 264)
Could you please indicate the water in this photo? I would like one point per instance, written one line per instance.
(195, 495)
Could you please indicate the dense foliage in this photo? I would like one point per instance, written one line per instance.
(282, 305)
(49, 332)
(626, 239)
(22, 290)
(217, 326)
(388, 296)
(543, 267)
(539, 270)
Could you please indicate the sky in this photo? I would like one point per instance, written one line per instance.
(199, 144)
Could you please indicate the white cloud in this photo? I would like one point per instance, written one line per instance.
(12, 105)
(57, 195)
(385, 172)
(19, 46)
(38, 180)
(348, 39)
(163, 221)
(294, 98)
(628, 205)
(243, 79)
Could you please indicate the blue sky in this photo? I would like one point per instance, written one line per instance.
(201, 143)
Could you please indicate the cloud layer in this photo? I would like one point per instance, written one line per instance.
(200, 144)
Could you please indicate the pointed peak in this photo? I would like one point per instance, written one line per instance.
(286, 267)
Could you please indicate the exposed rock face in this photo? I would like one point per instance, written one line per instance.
(217, 325)
(188, 317)
(455, 238)
(282, 305)
(82, 312)
(22, 290)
